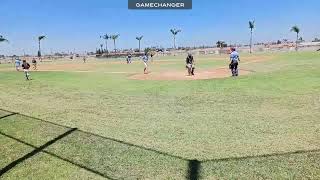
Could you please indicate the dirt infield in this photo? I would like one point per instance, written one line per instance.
(182, 75)
(202, 74)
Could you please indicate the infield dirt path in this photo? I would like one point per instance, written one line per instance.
(216, 73)
(182, 75)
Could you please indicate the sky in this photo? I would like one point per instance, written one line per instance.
(76, 25)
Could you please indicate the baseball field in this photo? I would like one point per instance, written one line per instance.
(106, 119)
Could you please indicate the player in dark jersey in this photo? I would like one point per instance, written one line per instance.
(190, 64)
(34, 63)
(26, 67)
(129, 59)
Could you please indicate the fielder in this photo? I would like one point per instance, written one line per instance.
(17, 64)
(234, 61)
(129, 58)
(34, 63)
(145, 60)
(190, 65)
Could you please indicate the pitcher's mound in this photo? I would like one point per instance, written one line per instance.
(182, 75)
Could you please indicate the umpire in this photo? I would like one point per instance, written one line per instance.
(234, 61)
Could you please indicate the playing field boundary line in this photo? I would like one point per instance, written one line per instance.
(56, 156)
(34, 152)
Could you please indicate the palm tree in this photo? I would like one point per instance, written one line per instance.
(174, 33)
(296, 29)
(106, 37)
(39, 40)
(139, 39)
(251, 27)
(220, 45)
(2, 39)
(301, 39)
(114, 38)
(101, 45)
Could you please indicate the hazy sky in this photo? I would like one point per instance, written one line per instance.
(77, 24)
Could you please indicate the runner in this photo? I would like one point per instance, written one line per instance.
(25, 67)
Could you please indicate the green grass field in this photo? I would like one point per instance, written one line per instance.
(264, 125)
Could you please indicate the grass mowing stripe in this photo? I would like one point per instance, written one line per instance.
(34, 152)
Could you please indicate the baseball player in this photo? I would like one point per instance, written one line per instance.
(34, 63)
(190, 64)
(234, 61)
(17, 64)
(129, 57)
(25, 67)
(145, 60)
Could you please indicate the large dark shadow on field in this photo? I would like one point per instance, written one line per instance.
(106, 157)
(193, 171)
(32, 153)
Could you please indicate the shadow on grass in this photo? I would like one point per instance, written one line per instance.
(34, 152)
(193, 172)
(2, 117)
(107, 157)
